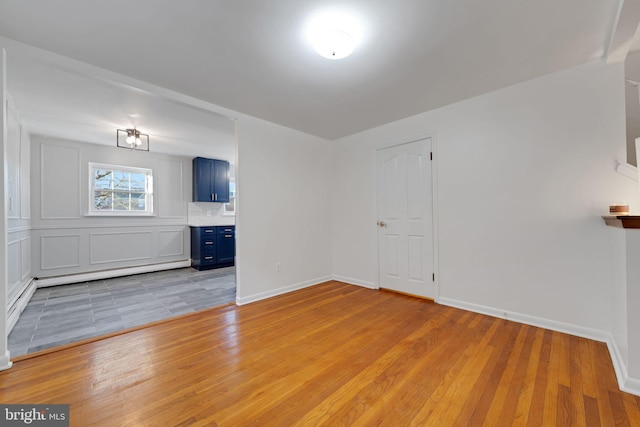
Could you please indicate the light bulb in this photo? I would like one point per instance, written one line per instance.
(138, 142)
(334, 43)
(334, 35)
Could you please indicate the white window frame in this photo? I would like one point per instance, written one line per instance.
(235, 200)
(148, 190)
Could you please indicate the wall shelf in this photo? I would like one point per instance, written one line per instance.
(622, 221)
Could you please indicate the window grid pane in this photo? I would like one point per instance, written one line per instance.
(119, 190)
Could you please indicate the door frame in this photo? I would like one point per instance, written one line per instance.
(435, 206)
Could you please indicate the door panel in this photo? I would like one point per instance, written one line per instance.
(416, 254)
(391, 184)
(405, 218)
(391, 258)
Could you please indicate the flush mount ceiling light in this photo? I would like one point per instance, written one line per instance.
(334, 35)
(132, 139)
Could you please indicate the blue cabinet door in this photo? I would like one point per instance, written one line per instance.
(221, 181)
(226, 244)
(210, 180)
(202, 180)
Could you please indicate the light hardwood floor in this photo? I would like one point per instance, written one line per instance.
(334, 355)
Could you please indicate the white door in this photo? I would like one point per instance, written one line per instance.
(405, 219)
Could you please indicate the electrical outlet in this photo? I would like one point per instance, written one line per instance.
(278, 267)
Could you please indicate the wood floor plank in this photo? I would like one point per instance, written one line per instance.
(591, 413)
(576, 388)
(517, 384)
(501, 395)
(602, 384)
(524, 401)
(502, 344)
(332, 355)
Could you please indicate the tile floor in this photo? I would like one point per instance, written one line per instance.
(62, 314)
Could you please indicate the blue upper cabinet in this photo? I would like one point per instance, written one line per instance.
(210, 180)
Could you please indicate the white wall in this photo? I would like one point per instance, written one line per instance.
(524, 174)
(284, 209)
(67, 241)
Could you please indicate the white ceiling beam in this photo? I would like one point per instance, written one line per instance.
(623, 31)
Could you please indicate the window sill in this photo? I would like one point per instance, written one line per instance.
(121, 215)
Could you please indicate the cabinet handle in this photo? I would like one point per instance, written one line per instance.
(208, 231)
(227, 230)
(226, 235)
(212, 197)
(208, 257)
(208, 243)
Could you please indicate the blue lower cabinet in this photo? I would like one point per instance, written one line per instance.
(226, 244)
(213, 247)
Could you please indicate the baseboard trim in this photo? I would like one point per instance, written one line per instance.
(106, 274)
(540, 322)
(21, 304)
(5, 362)
(625, 383)
(280, 291)
(356, 282)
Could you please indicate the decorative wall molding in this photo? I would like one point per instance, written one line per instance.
(172, 194)
(18, 229)
(13, 266)
(25, 257)
(58, 249)
(178, 238)
(105, 248)
(59, 162)
(104, 226)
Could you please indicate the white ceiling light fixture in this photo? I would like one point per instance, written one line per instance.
(334, 35)
(134, 140)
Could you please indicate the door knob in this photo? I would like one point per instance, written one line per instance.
(381, 224)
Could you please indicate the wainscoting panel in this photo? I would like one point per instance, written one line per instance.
(169, 189)
(12, 162)
(25, 258)
(59, 251)
(116, 247)
(59, 182)
(171, 243)
(25, 175)
(13, 268)
(76, 251)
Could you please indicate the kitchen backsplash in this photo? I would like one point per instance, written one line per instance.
(201, 214)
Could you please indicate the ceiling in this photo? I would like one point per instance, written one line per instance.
(251, 57)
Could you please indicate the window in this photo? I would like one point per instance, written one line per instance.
(120, 190)
(230, 208)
